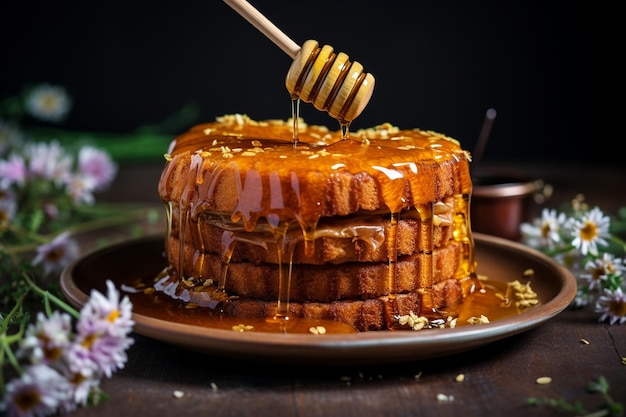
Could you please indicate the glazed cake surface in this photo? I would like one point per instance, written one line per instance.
(359, 229)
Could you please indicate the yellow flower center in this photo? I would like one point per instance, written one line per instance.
(589, 231)
(49, 102)
(618, 308)
(113, 315)
(55, 255)
(4, 220)
(76, 378)
(88, 341)
(49, 352)
(27, 400)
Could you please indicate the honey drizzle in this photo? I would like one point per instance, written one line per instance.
(345, 130)
(284, 254)
(392, 245)
(295, 116)
(227, 249)
(168, 225)
(183, 222)
(427, 270)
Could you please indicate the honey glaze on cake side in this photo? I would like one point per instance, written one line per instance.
(365, 231)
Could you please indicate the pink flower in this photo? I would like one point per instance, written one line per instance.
(97, 165)
(80, 188)
(103, 329)
(49, 161)
(12, 171)
(46, 339)
(40, 391)
(57, 254)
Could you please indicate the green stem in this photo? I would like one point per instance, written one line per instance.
(599, 413)
(47, 295)
(31, 235)
(118, 219)
(552, 253)
(104, 222)
(7, 340)
(621, 243)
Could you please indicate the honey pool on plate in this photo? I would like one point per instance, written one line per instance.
(494, 300)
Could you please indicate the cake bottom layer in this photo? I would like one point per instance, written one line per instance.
(378, 313)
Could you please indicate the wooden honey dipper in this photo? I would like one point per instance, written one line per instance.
(317, 75)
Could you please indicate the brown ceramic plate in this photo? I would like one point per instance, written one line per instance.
(497, 258)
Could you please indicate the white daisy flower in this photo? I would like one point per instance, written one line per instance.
(545, 231)
(590, 231)
(612, 305)
(49, 103)
(598, 270)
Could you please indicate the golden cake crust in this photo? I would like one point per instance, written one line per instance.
(324, 283)
(347, 239)
(251, 170)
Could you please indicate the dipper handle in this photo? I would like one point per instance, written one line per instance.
(263, 24)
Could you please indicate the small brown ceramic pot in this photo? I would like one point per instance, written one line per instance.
(501, 202)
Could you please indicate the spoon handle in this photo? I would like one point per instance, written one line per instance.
(263, 24)
(482, 137)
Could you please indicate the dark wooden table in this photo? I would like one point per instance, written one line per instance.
(499, 377)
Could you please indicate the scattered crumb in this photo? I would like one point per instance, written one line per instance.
(418, 375)
(317, 330)
(445, 398)
(624, 360)
(460, 378)
(478, 320)
(129, 289)
(543, 380)
(243, 327)
(518, 294)
(178, 394)
(413, 321)
(214, 386)
(584, 341)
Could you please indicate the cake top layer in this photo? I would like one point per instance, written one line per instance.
(253, 169)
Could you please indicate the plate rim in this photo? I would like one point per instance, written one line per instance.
(357, 348)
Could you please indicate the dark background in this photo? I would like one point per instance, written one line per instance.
(552, 70)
